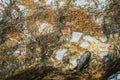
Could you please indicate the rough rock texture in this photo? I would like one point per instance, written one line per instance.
(44, 42)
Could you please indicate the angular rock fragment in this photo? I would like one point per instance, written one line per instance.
(83, 61)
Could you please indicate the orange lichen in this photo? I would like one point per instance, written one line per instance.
(82, 22)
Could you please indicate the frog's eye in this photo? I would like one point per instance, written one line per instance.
(62, 18)
(110, 46)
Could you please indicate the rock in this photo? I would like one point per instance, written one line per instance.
(83, 61)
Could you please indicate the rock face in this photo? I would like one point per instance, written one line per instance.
(111, 24)
(115, 76)
(60, 43)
